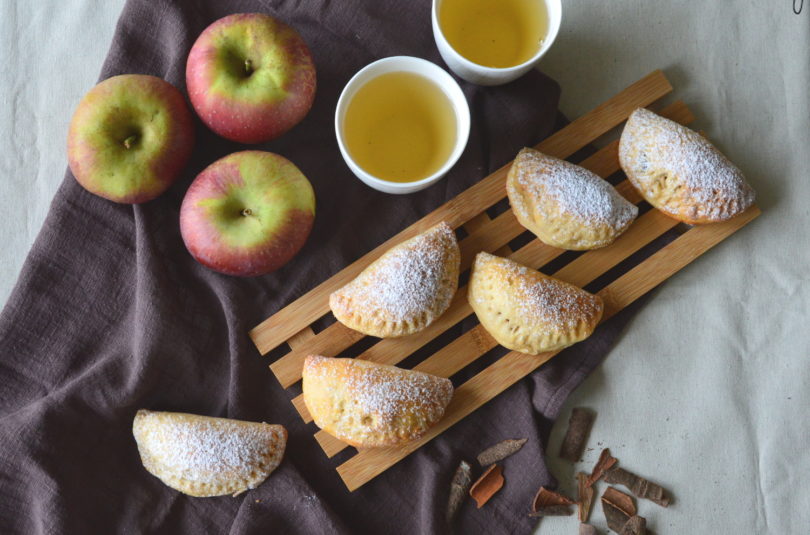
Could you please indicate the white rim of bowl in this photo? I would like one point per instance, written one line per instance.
(450, 86)
(552, 36)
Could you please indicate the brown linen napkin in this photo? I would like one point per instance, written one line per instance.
(111, 314)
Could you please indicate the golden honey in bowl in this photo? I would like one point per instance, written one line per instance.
(400, 127)
(494, 33)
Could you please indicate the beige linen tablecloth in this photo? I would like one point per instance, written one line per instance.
(708, 391)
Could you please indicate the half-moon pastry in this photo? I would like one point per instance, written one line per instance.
(204, 456)
(404, 290)
(679, 172)
(566, 205)
(527, 311)
(367, 405)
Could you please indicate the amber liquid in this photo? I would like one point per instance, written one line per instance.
(400, 127)
(494, 33)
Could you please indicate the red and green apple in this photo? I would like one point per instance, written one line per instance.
(130, 138)
(247, 214)
(250, 77)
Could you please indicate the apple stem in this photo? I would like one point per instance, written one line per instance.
(248, 67)
(128, 142)
(247, 212)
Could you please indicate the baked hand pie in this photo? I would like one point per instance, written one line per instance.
(679, 172)
(204, 456)
(368, 405)
(527, 311)
(404, 290)
(566, 205)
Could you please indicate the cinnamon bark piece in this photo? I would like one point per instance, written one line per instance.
(637, 525)
(587, 529)
(487, 485)
(605, 463)
(579, 426)
(584, 497)
(616, 518)
(462, 480)
(500, 451)
(552, 510)
(639, 486)
(546, 498)
(621, 500)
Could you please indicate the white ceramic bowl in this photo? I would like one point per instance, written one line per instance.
(478, 74)
(430, 71)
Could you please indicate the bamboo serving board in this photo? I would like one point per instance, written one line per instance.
(292, 324)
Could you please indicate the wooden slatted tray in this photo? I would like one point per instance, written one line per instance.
(292, 324)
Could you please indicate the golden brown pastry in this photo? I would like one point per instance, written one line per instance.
(566, 205)
(404, 290)
(679, 172)
(368, 405)
(527, 311)
(204, 456)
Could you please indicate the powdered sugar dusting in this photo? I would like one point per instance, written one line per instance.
(574, 190)
(207, 450)
(387, 391)
(548, 302)
(413, 282)
(374, 403)
(528, 311)
(679, 171)
(543, 303)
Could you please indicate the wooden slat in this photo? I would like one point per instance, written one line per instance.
(300, 406)
(300, 338)
(489, 237)
(482, 224)
(306, 309)
(486, 236)
(512, 367)
(476, 342)
(477, 223)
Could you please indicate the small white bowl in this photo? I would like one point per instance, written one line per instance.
(433, 73)
(478, 74)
